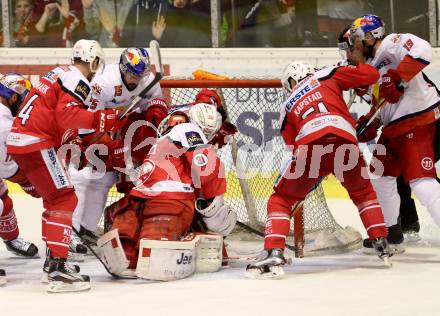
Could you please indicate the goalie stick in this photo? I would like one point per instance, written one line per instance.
(157, 59)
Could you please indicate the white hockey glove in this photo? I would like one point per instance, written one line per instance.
(218, 216)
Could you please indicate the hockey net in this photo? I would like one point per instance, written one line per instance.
(253, 160)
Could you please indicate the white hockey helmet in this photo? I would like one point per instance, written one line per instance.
(89, 51)
(206, 117)
(296, 70)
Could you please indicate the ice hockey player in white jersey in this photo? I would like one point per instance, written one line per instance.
(115, 88)
(409, 113)
(13, 89)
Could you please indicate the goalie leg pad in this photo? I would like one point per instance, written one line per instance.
(209, 251)
(111, 252)
(161, 260)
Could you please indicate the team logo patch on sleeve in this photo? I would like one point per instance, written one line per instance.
(193, 138)
(200, 160)
(82, 90)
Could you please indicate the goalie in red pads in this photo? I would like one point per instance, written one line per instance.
(315, 121)
(179, 168)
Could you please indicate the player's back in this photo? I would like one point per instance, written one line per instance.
(316, 106)
(36, 124)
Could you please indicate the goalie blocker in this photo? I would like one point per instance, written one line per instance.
(163, 260)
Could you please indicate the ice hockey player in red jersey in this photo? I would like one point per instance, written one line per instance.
(161, 205)
(316, 123)
(408, 116)
(13, 90)
(53, 110)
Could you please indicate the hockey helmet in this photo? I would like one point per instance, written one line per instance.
(207, 118)
(343, 42)
(369, 23)
(173, 119)
(296, 70)
(89, 51)
(13, 83)
(135, 61)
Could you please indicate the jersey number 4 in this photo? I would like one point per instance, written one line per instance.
(25, 112)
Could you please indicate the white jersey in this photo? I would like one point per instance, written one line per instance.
(8, 167)
(109, 90)
(420, 94)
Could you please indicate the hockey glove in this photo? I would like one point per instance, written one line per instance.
(390, 88)
(107, 121)
(217, 215)
(115, 157)
(156, 111)
(370, 132)
(361, 91)
(224, 135)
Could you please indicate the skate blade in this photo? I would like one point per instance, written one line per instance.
(395, 250)
(75, 257)
(387, 262)
(62, 287)
(256, 274)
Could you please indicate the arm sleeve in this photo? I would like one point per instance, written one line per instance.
(356, 76)
(415, 54)
(8, 167)
(70, 113)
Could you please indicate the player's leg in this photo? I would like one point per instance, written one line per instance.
(409, 219)
(9, 231)
(351, 171)
(417, 159)
(292, 185)
(47, 174)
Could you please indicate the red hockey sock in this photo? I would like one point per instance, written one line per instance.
(277, 222)
(58, 228)
(372, 218)
(8, 221)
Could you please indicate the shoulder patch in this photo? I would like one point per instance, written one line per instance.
(408, 44)
(82, 89)
(396, 38)
(193, 138)
(51, 76)
(96, 89)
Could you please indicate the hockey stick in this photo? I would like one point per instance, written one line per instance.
(114, 275)
(157, 58)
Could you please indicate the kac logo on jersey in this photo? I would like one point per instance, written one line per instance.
(82, 90)
(309, 86)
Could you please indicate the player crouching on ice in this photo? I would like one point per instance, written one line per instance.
(13, 90)
(150, 227)
(315, 117)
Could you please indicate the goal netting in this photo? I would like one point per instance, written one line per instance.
(254, 158)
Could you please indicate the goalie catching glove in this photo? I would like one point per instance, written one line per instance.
(218, 216)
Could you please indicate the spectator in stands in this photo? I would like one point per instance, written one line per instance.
(105, 20)
(174, 23)
(21, 21)
(56, 23)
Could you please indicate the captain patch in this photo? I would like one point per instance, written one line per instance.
(82, 90)
(193, 138)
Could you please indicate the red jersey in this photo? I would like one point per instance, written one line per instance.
(180, 162)
(53, 108)
(316, 106)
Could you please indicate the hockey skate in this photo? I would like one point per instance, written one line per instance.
(77, 250)
(382, 250)
(21, 247)
(2, 277)
(411, 232)
(73, 268)
(62, 279)
(269, 268)
(394, 238)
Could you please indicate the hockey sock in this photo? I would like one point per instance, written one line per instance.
(427, 190)
(8, 221)
(58, 229)
(372, 218)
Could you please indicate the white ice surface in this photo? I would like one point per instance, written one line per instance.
(349, 284)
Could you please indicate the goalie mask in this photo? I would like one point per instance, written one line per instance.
(170, 121)
(207, 118)
(297, 71)
(14, 84)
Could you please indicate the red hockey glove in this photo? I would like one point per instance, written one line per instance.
(156, 111)
(360, 91)
(224, 134)
(389, 88)
(370, 132)
(107, 121)
(115, 157)
(208, 96)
